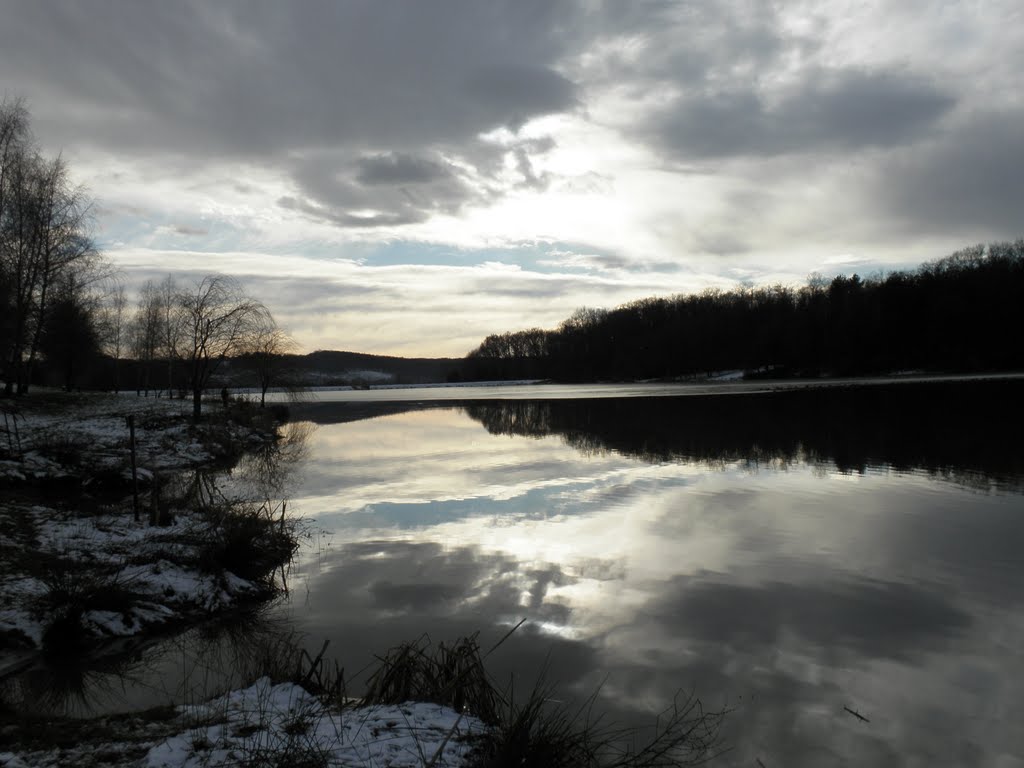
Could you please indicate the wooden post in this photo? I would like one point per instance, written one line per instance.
(154, 502)
(135, 474)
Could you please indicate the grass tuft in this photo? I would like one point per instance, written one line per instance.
(67, 449)
(73, 589)
(451, 675)
(536, 731)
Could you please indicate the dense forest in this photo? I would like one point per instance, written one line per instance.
(962, 313)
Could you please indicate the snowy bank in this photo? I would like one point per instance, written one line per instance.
(76, 568)
(283, 724)
(267, 724)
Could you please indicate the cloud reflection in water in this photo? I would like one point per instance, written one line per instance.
(784, 590)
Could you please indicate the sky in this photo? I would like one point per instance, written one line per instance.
(407, 177)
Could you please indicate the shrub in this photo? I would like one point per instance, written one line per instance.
(72, 590)
(62, 447)
(450, 675)
(248, 541)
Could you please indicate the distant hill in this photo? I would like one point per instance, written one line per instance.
(320, 368)
(325, 367)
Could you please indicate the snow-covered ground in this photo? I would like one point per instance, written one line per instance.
(267, 724)
(67, 544)
(265, 719)
(109, 555)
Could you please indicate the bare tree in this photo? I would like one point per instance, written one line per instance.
(13, 135)
(266, 350)
(215, 320)
(169, 320)
(145, 333)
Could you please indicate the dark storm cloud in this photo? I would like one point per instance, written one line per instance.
(373, 86)
(264, 77)
(399, 168)
(398, 188)
(719, 64)
(835, 110)
(520, 92)
(970, 179)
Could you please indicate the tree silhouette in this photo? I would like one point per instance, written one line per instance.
(44, 240)
(960, 313)
(70, 340)
(265, 350)
(215, 320)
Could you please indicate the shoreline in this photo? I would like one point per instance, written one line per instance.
(77, 570)
(347, 405)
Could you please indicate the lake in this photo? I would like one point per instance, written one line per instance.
(795, 556)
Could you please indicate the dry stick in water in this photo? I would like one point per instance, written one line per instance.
(856, 714)
(314, 664)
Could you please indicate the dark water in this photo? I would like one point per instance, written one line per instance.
(785, 555)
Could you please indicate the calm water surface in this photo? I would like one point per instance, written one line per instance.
(786, 556)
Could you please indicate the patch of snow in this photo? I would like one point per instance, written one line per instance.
(726, 376)
(247, 726)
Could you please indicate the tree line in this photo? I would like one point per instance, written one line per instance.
(960, 313)
(65, 316)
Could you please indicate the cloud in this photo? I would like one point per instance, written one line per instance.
(517, 93)
(404, 309)
(970, 180)
(399, 168)
(361, 219)
(190, 231)
(872, 618)
(378, 190)
(353, 101)
(828, 110)
(421, 579)
(691, 142)
(247, 78)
